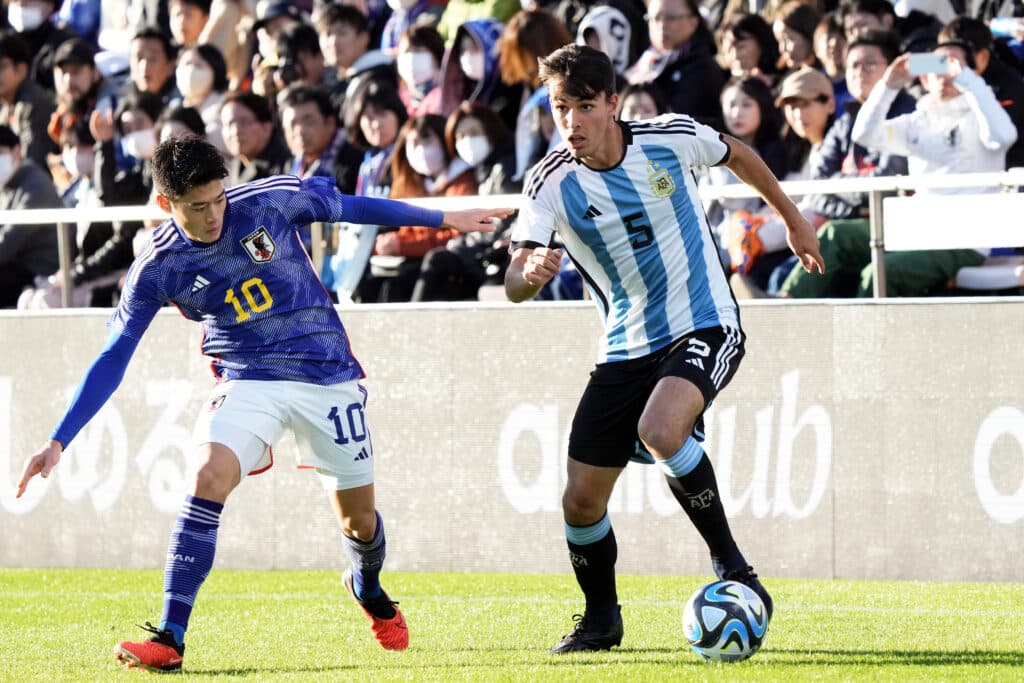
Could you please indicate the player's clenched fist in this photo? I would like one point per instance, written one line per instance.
(542, 265)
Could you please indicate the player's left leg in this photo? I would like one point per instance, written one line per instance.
(667, 428)
(362, 531)
(330, 427)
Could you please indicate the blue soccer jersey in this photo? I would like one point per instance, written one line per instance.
(265, 313)
(638, 233)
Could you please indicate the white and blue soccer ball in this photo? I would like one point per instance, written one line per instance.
(725, 621)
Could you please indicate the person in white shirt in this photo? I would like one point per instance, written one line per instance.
(957, 127)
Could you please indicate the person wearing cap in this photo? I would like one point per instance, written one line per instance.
(26, 251)
(24, 105)
(80, 86)
(807, 101)
(272, 17)
(866, 59)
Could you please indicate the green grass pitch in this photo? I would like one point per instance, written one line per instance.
(61, 625)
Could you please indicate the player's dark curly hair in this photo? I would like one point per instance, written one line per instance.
(184, 162)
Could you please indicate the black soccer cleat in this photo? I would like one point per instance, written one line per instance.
(745, 575)
(588, 636)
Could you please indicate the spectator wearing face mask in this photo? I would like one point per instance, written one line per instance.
(134, 125)
(26, 251)
(256, 149)
(405, 14)
(456, 270)
(471, 72)
(202, 79)
(24, 105)
(32, 19)
(420, 51)
(421, 166)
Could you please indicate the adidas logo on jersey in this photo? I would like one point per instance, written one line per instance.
(199, 283)
(362, 455)
(591, 212)
(696, 361)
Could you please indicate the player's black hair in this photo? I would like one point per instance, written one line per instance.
(184, 162)
(583, 71)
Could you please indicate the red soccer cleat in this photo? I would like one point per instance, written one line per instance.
(159, 654)
(386, 621)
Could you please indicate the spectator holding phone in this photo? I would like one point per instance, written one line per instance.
(957, 127)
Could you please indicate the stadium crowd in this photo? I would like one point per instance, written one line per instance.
(415, 98)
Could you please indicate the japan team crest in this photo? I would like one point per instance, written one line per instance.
(259, 245)
(662, 184)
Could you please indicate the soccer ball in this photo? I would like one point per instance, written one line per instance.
(725, 621)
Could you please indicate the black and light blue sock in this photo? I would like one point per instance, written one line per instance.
(691, 478)
(367, 558)
(593, 551)
(189, 559)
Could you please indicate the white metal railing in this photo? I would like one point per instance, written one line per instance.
(874, 186)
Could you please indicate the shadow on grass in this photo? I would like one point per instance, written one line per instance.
(895, 657)
(268, 670)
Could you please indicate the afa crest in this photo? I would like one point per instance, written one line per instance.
(259, 245)
(661, 181)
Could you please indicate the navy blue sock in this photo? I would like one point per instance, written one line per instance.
(593, 551)
(367, 558)
(189, 559)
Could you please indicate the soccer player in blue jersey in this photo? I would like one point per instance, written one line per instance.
(233, 261)
(623, 199)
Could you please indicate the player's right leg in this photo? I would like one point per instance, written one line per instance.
(190, 553)
(593, 552)
(223, 452)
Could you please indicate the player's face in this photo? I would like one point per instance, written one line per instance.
(587, 125)
(200, 211)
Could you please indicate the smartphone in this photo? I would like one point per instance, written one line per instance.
(928, 63)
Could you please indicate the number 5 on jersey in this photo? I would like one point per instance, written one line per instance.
(256, 296)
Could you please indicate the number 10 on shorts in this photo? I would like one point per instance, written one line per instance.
(350, 424)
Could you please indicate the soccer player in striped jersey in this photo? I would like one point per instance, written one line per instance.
(233, 261)
(624, 201)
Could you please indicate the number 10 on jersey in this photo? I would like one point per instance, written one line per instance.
(250, 289)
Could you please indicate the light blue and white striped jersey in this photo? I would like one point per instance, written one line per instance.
(638, 234)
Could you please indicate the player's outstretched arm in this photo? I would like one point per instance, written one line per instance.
(474, 220)
(42, 463)
(529, 270)
(801, 235)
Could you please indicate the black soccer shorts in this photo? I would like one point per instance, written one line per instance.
(604, 429)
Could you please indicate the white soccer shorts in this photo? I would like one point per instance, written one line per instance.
(329, 424)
